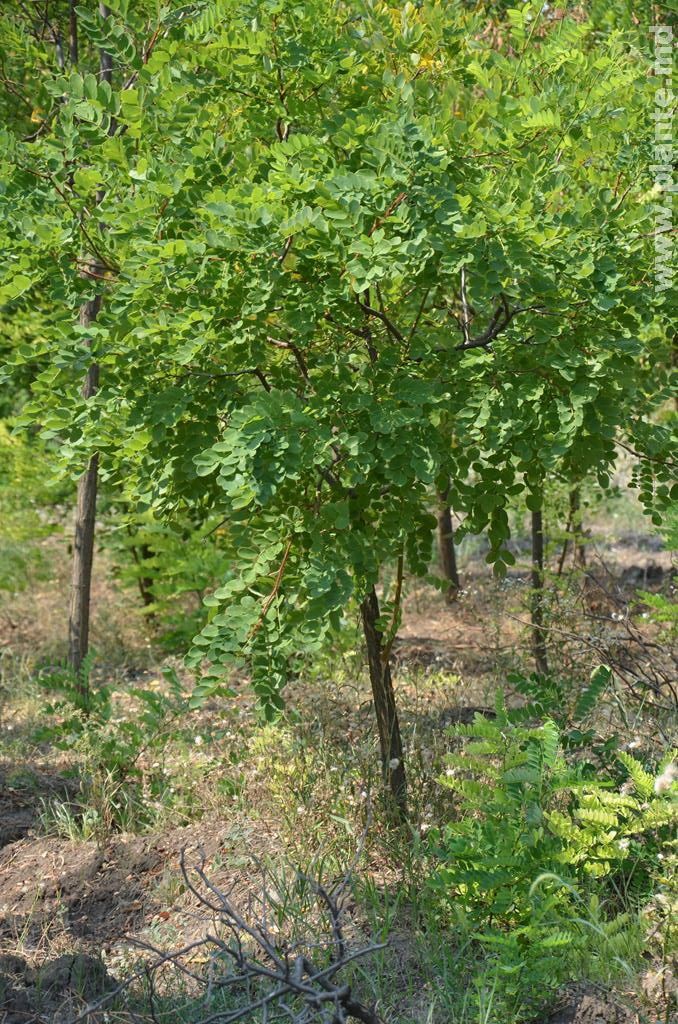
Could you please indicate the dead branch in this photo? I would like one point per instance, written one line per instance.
(244, 965)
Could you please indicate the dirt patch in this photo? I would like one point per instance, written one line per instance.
(55, 991)
(89, 896)
(23, 790)
(590, 1006)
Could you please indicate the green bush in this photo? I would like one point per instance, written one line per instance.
(535, 864)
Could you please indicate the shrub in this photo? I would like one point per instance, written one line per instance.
(532, 867)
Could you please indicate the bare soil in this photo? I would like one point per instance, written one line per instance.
(592, 1006)
(90, 896)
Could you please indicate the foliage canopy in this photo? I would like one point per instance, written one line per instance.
(339, 268)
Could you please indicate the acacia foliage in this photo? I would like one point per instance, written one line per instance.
(332, 236)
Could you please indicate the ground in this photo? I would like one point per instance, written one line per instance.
(254, 793)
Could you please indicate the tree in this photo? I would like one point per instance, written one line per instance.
(317, 249)
(85, 510)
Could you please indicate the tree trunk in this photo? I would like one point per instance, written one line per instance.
(73, 33)
(105, 59)
(448, 557)
(390, 740)
(83, 545)
(145, 583)
(537, 596)
(85, 514)
(577, 530)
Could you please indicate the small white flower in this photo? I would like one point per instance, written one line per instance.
(394, 763)
(301, 810)
(624, 844)
(198, 741)
(635, 742)
(664, 781)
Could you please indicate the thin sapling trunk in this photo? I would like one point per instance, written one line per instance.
(83, 544)
(577, 528)
(85, 513)
(390, 740)
(446, 550)
(537, 595)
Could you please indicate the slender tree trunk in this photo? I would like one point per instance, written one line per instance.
(577, 528)
(390, 740)
(448, 556)
(537, 596)
(140, 555)
(83, 545)
(85, 514)
(566, 541)
(575, 531)
(59, 46)
(105, 59)
(73, 33)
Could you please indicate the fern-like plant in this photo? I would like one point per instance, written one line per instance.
(536, 841)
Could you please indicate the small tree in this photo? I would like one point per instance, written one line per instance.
(318, 249)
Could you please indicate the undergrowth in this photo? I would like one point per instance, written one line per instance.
(539, 848)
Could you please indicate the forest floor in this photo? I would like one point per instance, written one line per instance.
(236, 794)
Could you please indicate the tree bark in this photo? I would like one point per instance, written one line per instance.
(390, 740)
(83, 545)
(73, 33)
(105, 59)
(577, 529)
(537, 596)
(140, 555)
(446, 551)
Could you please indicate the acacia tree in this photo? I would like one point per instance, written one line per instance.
(317, 249)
